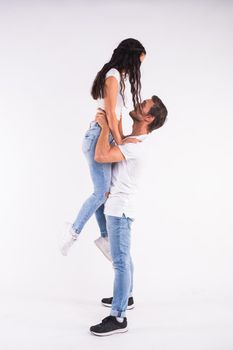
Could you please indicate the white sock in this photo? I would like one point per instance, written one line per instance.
(120, 319)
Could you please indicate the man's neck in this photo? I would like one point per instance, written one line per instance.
(139, 129)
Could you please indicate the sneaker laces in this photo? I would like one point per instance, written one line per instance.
(108, 318)
(74, 234)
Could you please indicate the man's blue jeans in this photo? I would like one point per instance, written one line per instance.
(119, 235)
(101, 177)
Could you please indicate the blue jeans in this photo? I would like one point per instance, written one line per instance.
(101, 177)
(119, 235)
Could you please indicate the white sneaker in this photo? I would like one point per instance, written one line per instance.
(68, 239)
(103, 244)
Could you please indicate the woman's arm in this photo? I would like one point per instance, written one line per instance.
(110, 100)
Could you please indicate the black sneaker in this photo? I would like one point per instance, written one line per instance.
(108, 326)
(108, 302)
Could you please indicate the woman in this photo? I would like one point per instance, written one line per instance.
(108, 89)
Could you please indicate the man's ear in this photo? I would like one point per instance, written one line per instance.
(149, 118)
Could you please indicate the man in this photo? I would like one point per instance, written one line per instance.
(119, 209)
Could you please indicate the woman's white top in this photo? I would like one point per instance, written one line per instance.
(113, 72)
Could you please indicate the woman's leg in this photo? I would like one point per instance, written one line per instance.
(99, 214)
(101, 177)
(101, 220)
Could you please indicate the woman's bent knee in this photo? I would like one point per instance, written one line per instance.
(101, 197)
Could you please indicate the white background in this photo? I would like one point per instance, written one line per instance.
(182, 238)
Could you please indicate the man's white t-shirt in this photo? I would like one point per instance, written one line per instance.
(125, 177)
(113, 72)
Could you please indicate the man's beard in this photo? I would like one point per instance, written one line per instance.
(133, 114)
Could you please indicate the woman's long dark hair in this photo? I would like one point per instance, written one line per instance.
(126, 57)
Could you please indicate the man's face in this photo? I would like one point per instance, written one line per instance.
(145, 106)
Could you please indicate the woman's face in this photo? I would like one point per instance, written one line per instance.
(142, 56)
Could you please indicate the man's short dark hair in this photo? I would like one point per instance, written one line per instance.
(159, 111)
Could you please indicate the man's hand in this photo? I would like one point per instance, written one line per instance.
(101, 118)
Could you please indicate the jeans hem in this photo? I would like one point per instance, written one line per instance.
(118, 313)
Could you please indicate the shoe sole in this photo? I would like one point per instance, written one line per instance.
(117, 331)
(130, 307)
(100, 248)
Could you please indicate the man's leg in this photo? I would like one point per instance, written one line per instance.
(108, 301)
(131, 279)
(119, 234)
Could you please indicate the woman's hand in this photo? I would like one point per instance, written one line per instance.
(100, 112)
(101, 118)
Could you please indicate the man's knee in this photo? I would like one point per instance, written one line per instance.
(121, 262)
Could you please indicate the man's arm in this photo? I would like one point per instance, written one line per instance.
(104, 152)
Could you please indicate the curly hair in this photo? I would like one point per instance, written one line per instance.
(125, 58)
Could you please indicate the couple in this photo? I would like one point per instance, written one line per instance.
(115, 184)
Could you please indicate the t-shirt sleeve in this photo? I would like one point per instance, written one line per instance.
(131, 150)
(113, 72)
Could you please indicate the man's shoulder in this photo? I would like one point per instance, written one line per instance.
(136, 145)
(133, 150)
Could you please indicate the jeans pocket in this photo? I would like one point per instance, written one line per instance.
(129, 221)
(87, 142)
